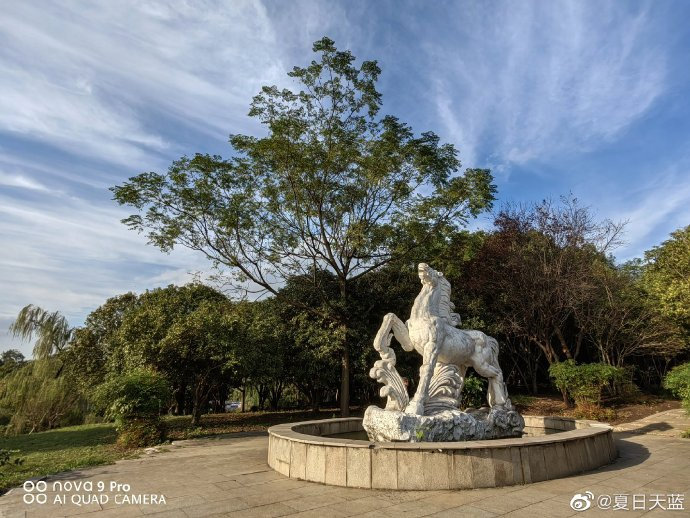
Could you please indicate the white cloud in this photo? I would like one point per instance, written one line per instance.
(542, 79)
(69, 254)
(652, 210)
(82, 76)
(21, 181)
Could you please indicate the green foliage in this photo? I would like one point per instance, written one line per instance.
(10, 361)
(93, 345)
(135, 400)
(13, 356)
(584, 382)
(678, 382)
(328, 167)
(473, 392)
(331, 185)
(667, 277)
(140, 393)
(52, 330)
(5, 460)
(191, 334)
(39, 396)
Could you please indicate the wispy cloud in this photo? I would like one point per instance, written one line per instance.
(20, 181)
(91, 94)
(70, 254)
(85, 78)
(534, 80)
(652, 209)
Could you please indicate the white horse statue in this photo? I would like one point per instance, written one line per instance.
(447, 351)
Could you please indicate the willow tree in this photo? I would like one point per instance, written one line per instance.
(51, 330)
(332, 185)
(39, 393)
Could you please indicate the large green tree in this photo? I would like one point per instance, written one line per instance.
(93, 344)
(667, 277)
(189, 333)
(332, 185)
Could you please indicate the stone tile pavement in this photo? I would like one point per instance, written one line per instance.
(670, 423)
(229, 477)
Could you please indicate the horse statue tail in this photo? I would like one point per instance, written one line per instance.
(493, 347)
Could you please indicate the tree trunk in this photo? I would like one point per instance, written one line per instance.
(345, 381)
(244, 397)
(262, 393)
(196, 415)
(276, 393)
(315, 400)
(563, 343)
(180, 393)
(197, 410)
(345, 357)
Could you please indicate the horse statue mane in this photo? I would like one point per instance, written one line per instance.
(445, 306)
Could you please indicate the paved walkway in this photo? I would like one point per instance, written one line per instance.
(670, 423)
(229, 477)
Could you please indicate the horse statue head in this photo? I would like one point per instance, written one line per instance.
(438, 301)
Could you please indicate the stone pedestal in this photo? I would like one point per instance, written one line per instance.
(447, 426)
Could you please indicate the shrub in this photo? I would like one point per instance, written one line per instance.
(678, 382)
(593, 411)
(6, 460)
(585, 382)
(473, 392)
(135, 433)
(135, 400)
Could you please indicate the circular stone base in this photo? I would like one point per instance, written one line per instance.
(556, 448)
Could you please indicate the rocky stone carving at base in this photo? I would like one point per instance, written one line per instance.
(446, 426)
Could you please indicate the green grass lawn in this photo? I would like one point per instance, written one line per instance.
(180, 427)
(75, 447)
(59, 450)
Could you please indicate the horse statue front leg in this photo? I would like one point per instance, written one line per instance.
(426, 371)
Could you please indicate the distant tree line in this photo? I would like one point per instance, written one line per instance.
(542, 281)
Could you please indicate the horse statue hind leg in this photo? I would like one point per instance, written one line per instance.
(486, 365)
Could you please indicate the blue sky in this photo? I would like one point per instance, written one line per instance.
(589, 97)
